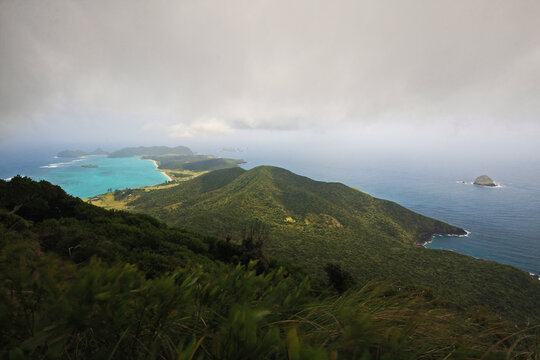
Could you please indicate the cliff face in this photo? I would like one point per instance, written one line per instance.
(484, 180)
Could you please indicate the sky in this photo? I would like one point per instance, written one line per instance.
(344, 74)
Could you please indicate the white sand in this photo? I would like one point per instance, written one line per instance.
(162, 171)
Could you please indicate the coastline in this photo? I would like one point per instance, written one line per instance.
(428, 238)
(169, 178)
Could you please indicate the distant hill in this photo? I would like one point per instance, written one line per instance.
(195, 163)
(313, 223)
(72, 153)
(79, 153)
(151, 151)
(99, 151)
(179, 158)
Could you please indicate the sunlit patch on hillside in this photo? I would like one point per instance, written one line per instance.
(322, 220)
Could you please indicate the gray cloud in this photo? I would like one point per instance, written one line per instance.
(213, 67)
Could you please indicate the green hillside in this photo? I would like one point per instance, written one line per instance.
(313, 223)
(195, 163)
(81, 282)
(151, 150)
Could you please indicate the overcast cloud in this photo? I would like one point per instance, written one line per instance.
(193, 68)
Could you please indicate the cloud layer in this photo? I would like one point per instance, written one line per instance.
(194, 68)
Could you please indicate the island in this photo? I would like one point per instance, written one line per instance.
(152, 151)
(179, 162)
(72, 153)
(484, 180)
(79, 153)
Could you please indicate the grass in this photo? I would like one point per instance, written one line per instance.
(182, 175)
(108, 201)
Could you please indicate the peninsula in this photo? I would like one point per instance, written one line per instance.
(176, 163)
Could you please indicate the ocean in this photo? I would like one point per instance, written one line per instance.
(69, 173)
(504, 222)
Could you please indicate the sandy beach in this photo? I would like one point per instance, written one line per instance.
(169, 178)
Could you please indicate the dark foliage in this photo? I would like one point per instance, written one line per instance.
(339, 279)
(195, 163)
(120, 195)
(77, 231)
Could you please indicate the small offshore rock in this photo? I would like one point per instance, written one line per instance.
(484, 180)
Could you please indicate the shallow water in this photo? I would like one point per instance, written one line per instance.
(111, 173)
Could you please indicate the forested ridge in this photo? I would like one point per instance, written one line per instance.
(312, 223)
(81, 282)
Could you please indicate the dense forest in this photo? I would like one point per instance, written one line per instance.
(195, 163)
(81, 282)
(313, 223)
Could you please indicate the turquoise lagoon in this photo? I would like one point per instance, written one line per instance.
(110, 174)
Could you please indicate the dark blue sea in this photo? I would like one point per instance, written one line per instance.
(504, 222)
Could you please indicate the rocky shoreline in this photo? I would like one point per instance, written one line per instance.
(428, 237)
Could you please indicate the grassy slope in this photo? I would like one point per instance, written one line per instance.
(312, 223)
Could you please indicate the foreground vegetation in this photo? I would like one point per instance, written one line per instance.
(79, 282)
(313, 223)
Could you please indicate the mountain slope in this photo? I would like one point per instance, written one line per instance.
(81, 282)
(277, 197)
(313, 223)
